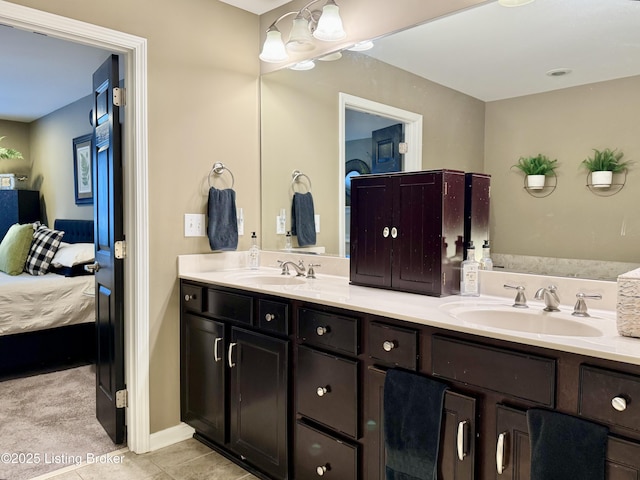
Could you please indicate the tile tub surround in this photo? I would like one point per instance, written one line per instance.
(335, 290)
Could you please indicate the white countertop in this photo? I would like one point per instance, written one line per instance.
(336, 291)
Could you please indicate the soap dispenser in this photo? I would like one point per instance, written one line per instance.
(485, 262)
(254, 253)
(470, 278)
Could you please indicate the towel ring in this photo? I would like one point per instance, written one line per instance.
(217, 169)
(295, 176)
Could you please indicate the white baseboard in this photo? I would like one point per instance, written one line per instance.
(170, 435)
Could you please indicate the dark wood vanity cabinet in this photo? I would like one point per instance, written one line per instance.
(407, 231)
(294, 390)
(231, 362)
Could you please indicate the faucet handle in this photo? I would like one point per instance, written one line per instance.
(521, 300)
(580, 309)
(311, 273)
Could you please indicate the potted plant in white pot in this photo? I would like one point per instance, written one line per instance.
(603, 164)
(536, 168)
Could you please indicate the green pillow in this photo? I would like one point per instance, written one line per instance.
(14, 248)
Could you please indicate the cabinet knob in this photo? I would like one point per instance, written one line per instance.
(385, 232)
(322, 469)
(388, 345)
(322, 331)
(394, 232)
(188, 297)
(269, 316)
(322, 391)
(619, 403)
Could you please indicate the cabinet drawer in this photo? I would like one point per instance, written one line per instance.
(328, 331)
(230, 306)
(393, 345)
(318, 454)
(327, 390)
(273, 316)
(520, 375)
(192, 298)
(599, 387)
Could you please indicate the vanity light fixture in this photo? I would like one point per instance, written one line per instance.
(514, 3)
(325, 25)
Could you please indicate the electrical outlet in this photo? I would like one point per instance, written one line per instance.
(194, 225)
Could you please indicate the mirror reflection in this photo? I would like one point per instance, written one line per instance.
(486, 98)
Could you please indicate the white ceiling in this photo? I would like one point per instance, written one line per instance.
(256, 6)
(489, 52)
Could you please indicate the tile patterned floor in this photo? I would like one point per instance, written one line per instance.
(187, 460)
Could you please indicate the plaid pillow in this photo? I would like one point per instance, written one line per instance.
(43, 248)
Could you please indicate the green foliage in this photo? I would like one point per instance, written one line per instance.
(606, 160)
(7, 153)
(537, 165)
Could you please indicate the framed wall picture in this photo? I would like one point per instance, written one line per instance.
(83, 170)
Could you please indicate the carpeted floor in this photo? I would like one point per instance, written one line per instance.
(47, 422)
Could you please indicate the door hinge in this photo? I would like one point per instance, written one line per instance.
(119, 98)
(120, 249)
(403, 147)
(444, 278)
(446, 188)
(122, 399)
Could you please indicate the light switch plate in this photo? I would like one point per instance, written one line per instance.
(194, 225)
(316, 217)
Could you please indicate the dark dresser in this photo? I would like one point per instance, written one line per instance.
(18, 206)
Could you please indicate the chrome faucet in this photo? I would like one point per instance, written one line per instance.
(580, 309)
(299, 267)
(521, 300)
(550, 296)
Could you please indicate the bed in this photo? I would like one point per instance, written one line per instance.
(49, 320)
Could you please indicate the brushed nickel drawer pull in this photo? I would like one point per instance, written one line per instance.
(460, 440)
(394, 232)
(269, 316)
(619, 403)
(231, 364)
(385, 232)
(388, 345)
(500, 453)
(215, 349)
(322, 469)
(320, 331)
(188, 297)
(322, 391)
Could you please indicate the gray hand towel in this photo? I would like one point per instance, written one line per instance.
(413, 407)
(303, 223)
(564, 447)
(222, 228)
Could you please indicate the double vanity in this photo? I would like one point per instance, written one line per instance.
(284, 374)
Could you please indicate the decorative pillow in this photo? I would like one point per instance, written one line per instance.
(14, 248)
(70, 254)
(44, 247)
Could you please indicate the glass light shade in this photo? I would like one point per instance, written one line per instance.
(273, 50)
(304, 65)
(331, 57)
(362, 46)
(300, 39)
(330, 24)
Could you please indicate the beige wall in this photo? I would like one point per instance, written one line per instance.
(566, 124)
(203, 107)
(300, 114)
(52, 158)
(17, 134)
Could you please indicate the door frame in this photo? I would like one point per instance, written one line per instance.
(412, 135)
(135, 171)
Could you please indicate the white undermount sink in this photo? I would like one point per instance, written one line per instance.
(531, 320)
(267, 278)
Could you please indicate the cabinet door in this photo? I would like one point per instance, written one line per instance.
(258, 400)
(457, 443)
(202, 376)
(371, 231)
(513, 451)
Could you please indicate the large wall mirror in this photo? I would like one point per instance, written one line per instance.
(492, 84)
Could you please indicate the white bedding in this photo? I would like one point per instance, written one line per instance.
(29, 303)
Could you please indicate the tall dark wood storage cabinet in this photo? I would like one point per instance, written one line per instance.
(407, 231)
(18, 206)
(477, 196)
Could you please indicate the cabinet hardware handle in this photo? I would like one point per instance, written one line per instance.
(269, 316)
(215, 349)
(92, 268)
(322, 331)
(322, 391)
(385, 232)
(231, 364)
(500, 453)
(388, 345)
(394, 232)
(188, 297)
(322, 469)
(619, 403)
(460, 440)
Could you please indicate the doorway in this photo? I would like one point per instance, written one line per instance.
(135, 167)
(359, 114)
